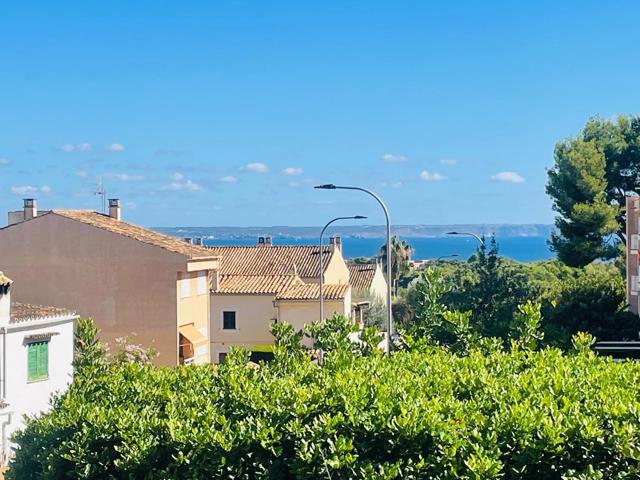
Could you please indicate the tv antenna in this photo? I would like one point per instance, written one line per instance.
(101, 192)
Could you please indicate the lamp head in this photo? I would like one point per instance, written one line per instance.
(359, 217)
(452, 233)
(327, 186)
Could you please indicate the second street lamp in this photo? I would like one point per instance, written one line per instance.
(469, 234)
(355, 217)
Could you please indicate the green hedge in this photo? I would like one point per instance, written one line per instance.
(418, 414)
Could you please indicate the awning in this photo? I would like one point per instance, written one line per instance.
(191, 333)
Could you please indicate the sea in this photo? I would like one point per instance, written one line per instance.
(522, 249)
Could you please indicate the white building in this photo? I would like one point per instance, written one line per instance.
(36, 355)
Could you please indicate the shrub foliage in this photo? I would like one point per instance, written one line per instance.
(422, 413)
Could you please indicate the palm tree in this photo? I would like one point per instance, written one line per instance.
(400, 257)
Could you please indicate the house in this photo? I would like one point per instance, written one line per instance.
(133, 281)
(368, 282)
(36, 355)
(258, 285)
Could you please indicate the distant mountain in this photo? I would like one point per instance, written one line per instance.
(360, 231)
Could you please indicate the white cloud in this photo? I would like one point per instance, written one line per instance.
(115, 148)
(188, 185)
(511, 177)
(292, 171)
(393, 158)
(448, 161)
(4, 161)
(176, 176)
(229, 179)
(124, 177)
(82, 173)
(256, 167)
(80, 147)
(29, 189)
(431, 176)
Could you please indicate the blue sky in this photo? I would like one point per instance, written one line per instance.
(226, 113)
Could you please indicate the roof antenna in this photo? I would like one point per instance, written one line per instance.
(102, 193)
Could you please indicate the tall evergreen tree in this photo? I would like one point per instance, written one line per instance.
(592, 174)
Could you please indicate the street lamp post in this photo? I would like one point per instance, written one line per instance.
(355, 217)
(330, 186)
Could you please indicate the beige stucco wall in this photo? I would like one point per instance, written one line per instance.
(127, 286)
(194, 307)
(379, 286)
(254, 314)
(303, 312)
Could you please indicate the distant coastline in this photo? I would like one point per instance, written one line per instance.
(361, 231)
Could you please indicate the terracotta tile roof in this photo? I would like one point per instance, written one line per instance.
(4, 280)
(361, 275)
(22, 312)
(311, 291)
(273, 260)
(141, 234)
(256, 284)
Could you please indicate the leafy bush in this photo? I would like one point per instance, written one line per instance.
(424, 413)
(492, 288)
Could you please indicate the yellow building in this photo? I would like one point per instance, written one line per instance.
(131, 280)
(368, 282)
(258, 285)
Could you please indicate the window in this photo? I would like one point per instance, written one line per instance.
(185, 290)
(229, 320)
(38, 361)
(221, 356)
(203, 282)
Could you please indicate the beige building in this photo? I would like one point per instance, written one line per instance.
(367, 282)
(131, 280)
(258, 285)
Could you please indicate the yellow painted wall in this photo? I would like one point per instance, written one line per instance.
(194, 307)
(254, 314)
(303, 312)
(379, 286)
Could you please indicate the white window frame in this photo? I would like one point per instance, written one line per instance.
(202, 283)
(222, 321)
(185, 287)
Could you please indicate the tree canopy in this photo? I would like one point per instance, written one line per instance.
(591, 176)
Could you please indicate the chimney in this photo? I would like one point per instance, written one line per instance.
(114, 208)
(264, 241)
(336, 243)
(30, 208)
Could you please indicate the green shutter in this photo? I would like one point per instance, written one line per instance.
(32, 370)
(38, 361)
(43, 360)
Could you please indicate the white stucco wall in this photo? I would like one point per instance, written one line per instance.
(23, 397)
